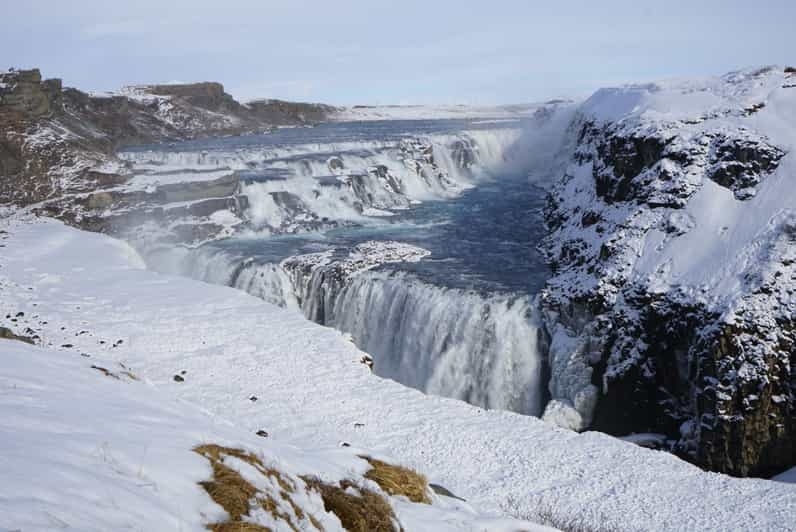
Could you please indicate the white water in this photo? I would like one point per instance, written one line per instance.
(445, 342)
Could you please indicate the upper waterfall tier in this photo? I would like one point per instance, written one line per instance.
(310, 179)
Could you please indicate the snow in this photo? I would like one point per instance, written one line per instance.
(727, 234)
(170, 178)
(726, 238)
(434, 112)
(684, 99)
(313, 393)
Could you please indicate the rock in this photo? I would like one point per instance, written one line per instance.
(335, 164)
(262, 433)
(368, 361)
(100, 200)
(178, 378)
(279, 112)
(207, 95)
(445, 492)
(24, 95)
(8, 334)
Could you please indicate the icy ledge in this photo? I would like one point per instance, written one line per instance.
(313, 391)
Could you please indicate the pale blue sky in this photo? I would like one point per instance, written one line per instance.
(407, 51)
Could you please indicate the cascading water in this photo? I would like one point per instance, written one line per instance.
(445, 342)
(442, 326)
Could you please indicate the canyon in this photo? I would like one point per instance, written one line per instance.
(664, 302)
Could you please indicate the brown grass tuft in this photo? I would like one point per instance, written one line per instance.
(397, 480)
(238, 496)
(366, 512)
(358, 508)
(237, 526)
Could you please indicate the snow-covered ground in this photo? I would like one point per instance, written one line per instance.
(170, 178)
(96, 453)
(429, 112)
(89, 443)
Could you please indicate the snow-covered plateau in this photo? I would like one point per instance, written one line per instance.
(623, 266)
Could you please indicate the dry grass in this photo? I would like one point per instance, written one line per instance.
(359, 509)
(238, 526)
(238, 497)
(108, 373)
(397, 480)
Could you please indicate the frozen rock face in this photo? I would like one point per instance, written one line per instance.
(674, 294)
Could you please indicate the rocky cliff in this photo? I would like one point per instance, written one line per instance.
(673, 240)
(56, 143)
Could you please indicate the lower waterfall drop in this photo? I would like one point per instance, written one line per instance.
(446, 342)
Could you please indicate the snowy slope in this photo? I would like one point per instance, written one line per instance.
(93, 452)
(87, 445)
(313, 392)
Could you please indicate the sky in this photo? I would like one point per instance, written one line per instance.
(349, 52)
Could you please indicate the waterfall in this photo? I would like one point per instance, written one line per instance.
(454, 343)
(486, 349)
(446, 342)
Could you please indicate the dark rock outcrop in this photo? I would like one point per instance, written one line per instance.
(280, 112)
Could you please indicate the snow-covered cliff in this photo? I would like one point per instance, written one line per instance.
(673, 242)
